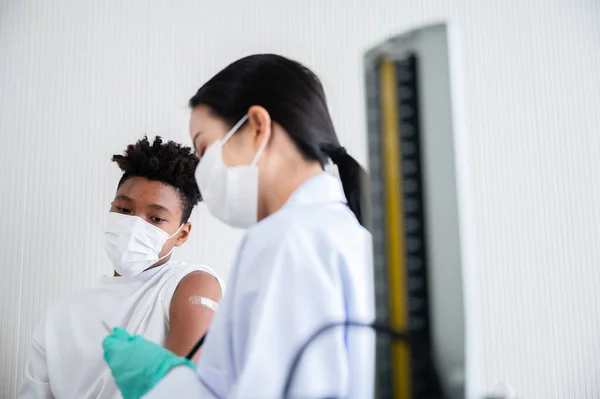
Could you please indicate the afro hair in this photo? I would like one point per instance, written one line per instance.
(170, 163)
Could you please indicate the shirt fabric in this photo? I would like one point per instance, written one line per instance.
(307, 265)
(67, 360)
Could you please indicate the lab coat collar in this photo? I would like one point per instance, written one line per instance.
(319, 189)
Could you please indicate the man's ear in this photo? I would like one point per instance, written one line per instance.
(183, 234)
(259, 122)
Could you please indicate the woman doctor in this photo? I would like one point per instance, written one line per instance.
(263, 133)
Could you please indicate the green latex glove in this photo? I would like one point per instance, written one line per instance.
(138, 364)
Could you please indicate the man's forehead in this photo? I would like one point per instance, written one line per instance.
(142, 190)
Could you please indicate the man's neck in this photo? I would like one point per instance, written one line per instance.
(157, 264)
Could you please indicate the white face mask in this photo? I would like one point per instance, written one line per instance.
(133, 244)
(229, 192)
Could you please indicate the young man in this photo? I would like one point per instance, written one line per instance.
(167, 302)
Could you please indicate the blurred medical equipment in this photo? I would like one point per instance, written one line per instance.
(378, 327)
(502, 391)
(413, 213)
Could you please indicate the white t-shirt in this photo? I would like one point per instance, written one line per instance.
(67, 359)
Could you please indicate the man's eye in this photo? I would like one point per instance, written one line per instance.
(123, 210)
(157, 220)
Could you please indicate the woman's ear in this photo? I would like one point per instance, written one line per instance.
(184, 234)
(259, 122)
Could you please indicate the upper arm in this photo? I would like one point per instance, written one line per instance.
(36, 381)
(189, 321)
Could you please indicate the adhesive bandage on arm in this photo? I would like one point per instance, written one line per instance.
(203, 301)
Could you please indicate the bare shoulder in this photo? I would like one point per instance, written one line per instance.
(199, 283)
(187, 321)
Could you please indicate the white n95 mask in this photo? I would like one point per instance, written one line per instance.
(133, 244)
(229, 192)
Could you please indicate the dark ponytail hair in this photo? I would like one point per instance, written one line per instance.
(294, 97)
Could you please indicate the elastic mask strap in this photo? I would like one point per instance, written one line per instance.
(172, 249)
(168, 253)
(234, 129)
(177, 232)
(259, 152)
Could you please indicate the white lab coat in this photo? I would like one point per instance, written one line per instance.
(307, 265)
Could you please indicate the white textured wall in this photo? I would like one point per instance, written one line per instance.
(80, 79)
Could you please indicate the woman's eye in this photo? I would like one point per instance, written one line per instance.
(123, 210)
(200, 149)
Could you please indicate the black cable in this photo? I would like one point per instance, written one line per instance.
(378, 327)
(190, 355)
